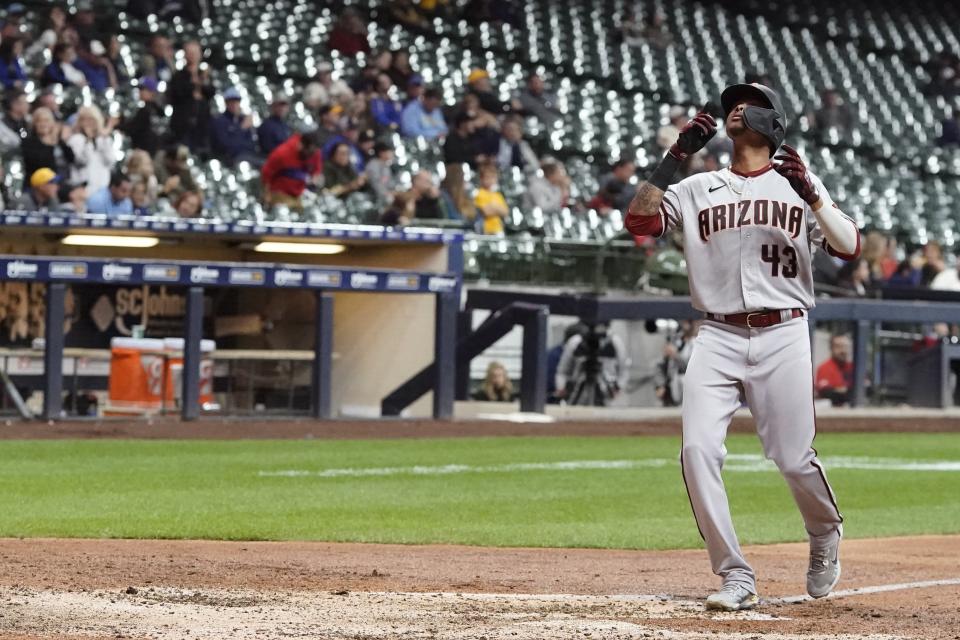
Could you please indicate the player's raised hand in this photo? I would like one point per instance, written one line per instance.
(791, 167)
(694, 135)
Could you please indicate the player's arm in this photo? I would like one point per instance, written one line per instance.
(643, 217)
(840, 231)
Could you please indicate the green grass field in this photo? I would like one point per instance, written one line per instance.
(886, 485)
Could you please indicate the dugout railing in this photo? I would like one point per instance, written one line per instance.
(471, 343)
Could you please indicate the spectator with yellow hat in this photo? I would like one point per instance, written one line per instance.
(42, 194)
(478, 83)
(330, 117)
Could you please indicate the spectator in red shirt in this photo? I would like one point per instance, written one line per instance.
(607, 198)
(349, 35)
(289, 168)
(835, 376)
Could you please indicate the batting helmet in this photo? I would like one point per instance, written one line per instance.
(769, 122)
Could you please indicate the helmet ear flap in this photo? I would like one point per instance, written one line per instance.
(768, 123)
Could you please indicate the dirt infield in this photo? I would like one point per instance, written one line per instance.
(187, 589)
(166, 590)
(234, 428)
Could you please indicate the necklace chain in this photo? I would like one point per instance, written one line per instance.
(739, 192)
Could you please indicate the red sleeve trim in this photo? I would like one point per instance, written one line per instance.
(844, 256)
(645, 225)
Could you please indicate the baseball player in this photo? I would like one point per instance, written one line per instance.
(749, 232)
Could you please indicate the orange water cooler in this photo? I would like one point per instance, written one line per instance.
(136, 376)
(146, 375)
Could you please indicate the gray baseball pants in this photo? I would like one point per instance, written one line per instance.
(771, 368)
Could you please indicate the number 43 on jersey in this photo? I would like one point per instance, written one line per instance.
(782, 260)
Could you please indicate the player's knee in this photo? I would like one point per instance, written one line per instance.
(699, 451)
(793, 466)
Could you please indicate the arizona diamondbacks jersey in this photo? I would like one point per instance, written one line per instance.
(749, 239)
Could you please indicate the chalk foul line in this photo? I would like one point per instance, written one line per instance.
(651, 598)
(746, 463)
(447, 469)
(862, 591)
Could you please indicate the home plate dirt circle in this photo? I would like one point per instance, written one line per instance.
(892, 588)
(166, 613)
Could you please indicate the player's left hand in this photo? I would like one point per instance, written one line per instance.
(694, 135)
(792, 168)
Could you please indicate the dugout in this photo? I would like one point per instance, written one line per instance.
(252, 287)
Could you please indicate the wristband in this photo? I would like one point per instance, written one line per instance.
(664, 172)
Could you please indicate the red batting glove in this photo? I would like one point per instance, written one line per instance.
(792, 168)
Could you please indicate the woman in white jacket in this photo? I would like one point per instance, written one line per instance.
(93, 152)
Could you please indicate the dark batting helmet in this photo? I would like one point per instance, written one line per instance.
(770, 122)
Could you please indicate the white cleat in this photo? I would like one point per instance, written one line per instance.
(823, 573)
(733, 597)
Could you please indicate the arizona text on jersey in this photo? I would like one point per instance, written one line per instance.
(748, 238)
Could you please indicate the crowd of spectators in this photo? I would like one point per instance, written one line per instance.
(71, 158)
(183, 116)
(884, 263)
(139, 159)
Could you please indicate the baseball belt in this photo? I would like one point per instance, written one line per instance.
(757, 319)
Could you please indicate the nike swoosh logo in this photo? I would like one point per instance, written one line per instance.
(715, 188)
